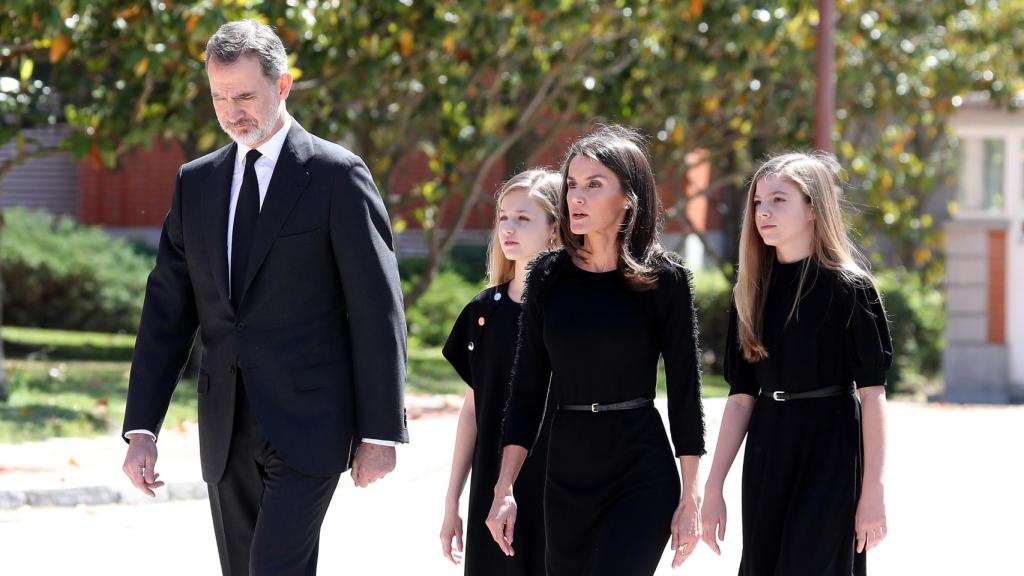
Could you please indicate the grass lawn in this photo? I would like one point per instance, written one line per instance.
(66, 345)
(78, 398)
(52, 395)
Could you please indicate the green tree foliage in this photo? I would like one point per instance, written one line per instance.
(477, 88)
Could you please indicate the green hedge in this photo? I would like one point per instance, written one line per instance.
(59, 274)
(916, 319)
(712, 296)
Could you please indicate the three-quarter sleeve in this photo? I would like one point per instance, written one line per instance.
(456, 349)
(680, 351)
(531, 372)
(739, 373)
(868, 345)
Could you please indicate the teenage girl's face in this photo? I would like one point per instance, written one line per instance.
(596, 201)
(523, 226)
(783, 216)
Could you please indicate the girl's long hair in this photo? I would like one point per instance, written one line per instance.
(817, 176)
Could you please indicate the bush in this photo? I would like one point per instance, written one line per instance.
(712, 297)
(431, 319)
(917, 321)
(461, 276)
(59, 274)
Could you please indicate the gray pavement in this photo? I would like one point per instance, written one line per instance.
(954, 496)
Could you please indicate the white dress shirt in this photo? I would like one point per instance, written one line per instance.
(271, 151)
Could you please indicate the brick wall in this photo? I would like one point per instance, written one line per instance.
(138, 194)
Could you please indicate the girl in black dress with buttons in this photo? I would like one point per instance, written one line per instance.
(597, 316)
(806, 358)
(481, 347)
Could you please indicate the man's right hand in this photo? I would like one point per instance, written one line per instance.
(140, 463)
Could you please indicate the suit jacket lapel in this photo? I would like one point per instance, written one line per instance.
(216, 192)
(287, 184)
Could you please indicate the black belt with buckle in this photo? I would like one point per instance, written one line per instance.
(826, 392)
(627, 405)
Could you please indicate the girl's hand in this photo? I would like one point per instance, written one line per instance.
(451, 529)
(713, 515)
(870, 520)
(501, 520)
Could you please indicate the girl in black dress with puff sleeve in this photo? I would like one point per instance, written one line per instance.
(597, 316)
(806, 357)
(481, 347)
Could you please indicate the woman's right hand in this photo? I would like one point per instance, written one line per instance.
(713, 517)
(451, 529)
(501, 520)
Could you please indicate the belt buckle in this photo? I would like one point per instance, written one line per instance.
(776, 395)
(593, 408)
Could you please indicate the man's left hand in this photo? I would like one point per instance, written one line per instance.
(371, 463)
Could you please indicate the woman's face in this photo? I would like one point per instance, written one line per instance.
(783, 216)
(523, 226)
(595, 199)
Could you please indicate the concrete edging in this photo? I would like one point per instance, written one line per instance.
(98, 495)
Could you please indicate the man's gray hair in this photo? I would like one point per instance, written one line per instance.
(248, 37)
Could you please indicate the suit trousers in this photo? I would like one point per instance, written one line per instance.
(266, 514)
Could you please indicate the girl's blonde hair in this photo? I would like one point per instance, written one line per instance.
(544, 187)
(817, 176)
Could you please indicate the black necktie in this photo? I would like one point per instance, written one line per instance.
(247, 210)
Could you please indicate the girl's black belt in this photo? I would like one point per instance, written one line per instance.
(627, 405)
(826, 392)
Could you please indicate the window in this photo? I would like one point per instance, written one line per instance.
(992, 172)
(981, 181)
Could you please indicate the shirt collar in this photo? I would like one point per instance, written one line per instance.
(271, 149)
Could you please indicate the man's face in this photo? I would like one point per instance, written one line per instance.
(248, 104)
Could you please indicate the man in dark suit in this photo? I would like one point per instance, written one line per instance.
(278, 250)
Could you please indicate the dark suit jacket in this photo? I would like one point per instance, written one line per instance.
(319, 334)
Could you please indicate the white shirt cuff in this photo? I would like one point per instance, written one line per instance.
(127, 435)
(379, 442)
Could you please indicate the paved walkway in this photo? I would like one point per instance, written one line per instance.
(955, 505)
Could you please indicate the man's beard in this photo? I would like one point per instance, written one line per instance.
(257, 133)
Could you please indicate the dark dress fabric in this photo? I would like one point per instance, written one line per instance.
(482, 352)
(803, 462)
(612, 480)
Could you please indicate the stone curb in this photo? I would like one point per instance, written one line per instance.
(98, 495)
(125, 493)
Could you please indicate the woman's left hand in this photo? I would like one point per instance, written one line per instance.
(870, 520)
(685, 528)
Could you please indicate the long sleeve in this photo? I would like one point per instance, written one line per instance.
(739, 373)
(364, 255)
(166, 330)
(868, 346)
(531, 374)
(680, 350)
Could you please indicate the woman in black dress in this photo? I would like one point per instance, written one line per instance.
(806, 358)
(481, 347)
(596, 318)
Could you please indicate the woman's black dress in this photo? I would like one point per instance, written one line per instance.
(481, 348)
(612, 480)
(803, 463)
